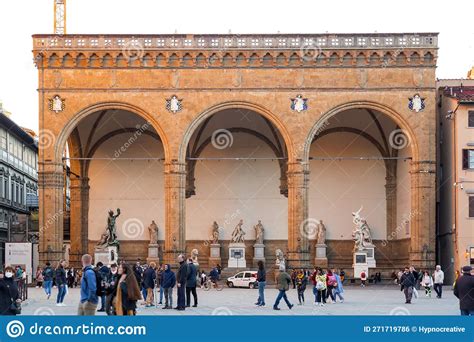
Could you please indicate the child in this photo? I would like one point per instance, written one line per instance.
(301, 281)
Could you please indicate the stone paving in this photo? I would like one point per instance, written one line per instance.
(372, 300)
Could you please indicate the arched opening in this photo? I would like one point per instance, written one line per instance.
(113, 158)
(360, 156)
(236, 169)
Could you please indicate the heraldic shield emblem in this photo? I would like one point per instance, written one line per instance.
(299, 104)
(56, 104)
(416, 103)
(173, 104)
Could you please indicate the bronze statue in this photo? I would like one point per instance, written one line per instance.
(112, 228)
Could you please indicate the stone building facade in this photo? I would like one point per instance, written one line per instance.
(149, 108)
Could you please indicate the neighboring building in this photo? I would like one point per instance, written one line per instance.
(18, 183)
(456, 174)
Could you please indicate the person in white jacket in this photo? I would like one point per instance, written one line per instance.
(427, 283)
(438, 280)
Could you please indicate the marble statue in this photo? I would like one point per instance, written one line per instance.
(238, 233)
(321, 233)
(194, 256)
(153, 230)
(259, 230)
(215, 233)
(280, 258)
(361, 234)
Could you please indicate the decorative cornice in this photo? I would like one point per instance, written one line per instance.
(208, 51)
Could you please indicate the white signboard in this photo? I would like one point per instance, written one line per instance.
(20, 253)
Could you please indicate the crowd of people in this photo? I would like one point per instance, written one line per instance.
(117, 289)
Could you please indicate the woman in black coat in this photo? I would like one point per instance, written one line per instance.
(9, 295)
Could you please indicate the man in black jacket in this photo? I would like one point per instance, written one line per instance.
(464, 290)
(407, 282)
(181, 283)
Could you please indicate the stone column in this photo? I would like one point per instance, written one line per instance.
(298, 243)
(50, 184)
(391, 206)
(79, 191)
(423, 204)
(175, 186)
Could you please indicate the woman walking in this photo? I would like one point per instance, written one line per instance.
(319, 281)
(338, 290)
(301, 282)
(39, 277)
(261, 279)
(10, 303)
(427, 283)
(331, 284)
(61, 283)
(128, 292)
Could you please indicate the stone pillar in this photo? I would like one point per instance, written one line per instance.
(423, 223)
(50, 184)
(175, 186)
(298, 243)
(79, 191)
(391, 206)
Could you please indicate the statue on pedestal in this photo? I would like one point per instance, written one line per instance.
(153, 230)
(259, 230)
(215, 233)
(361, 234)
(280, 258)
(321, 233)
(238, 233)
(109, 238)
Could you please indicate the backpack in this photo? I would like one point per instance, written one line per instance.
(332, 280)
(98, 281)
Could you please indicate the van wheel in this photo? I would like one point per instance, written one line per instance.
(230, 284)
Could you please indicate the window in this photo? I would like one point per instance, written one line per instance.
(467, 159)
(471, 206)
(248, 275)
(240, 275)
(470, 119)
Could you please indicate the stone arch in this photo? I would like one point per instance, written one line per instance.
(235, 105)
(77, 118)
(395, 116)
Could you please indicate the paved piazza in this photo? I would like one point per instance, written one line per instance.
(373, 300)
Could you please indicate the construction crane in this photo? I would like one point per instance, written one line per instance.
(60, 17)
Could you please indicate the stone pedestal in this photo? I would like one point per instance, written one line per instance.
(360, 264)
(258, 253)
(107, 255)
(237, 255)
(215, 254)
(321, 259)
(153, 250)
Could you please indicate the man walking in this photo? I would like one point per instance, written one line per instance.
(438, 280)
(149, 277)
(181, 282)
(407, 282)
(464, 290)
(89, 300)
(191, 284)
(104, 272)
(283, 284)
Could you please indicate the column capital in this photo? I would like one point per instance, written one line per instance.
(50, 179)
